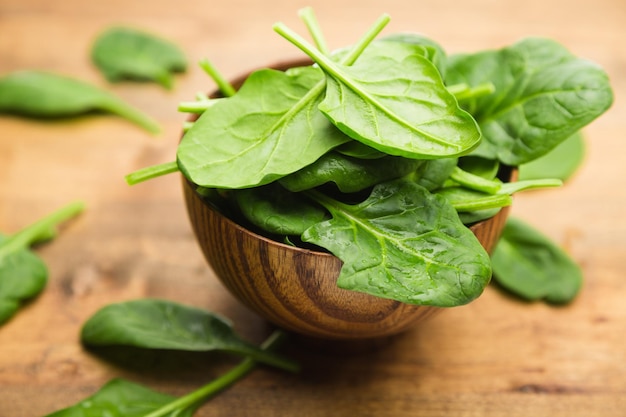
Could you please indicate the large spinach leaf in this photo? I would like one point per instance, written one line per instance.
(161, 324)
(400, 107)
(46, 95)
(127, 53)
(531, 266)
(543, 95)
(405, 244)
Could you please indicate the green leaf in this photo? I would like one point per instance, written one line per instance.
(42, 94)
(349, 174)
(543, 95)
(434, 51)
(561, 162)
(120, 397)
(123, 53)
(269, 129)
(405, 244)
(278, 211)
(400, 107)
(160, 324)
(434, 172)
(23, 275)
(531, 266)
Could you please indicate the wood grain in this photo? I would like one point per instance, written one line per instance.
(495, 357)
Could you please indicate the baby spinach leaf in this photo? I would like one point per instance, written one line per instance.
(350, 175)
(432, 174)
(561, 162)
(359, 150)
(434, 51)
(400, 107)
(46, 95)
(23, 275)
(160, 324)
(269, 129)
(486, 168)
(543, 95)
(278, 211)
(126, 53)
(120, 397)
(531, 266)
(405, 244)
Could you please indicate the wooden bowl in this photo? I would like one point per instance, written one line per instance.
(296, 288)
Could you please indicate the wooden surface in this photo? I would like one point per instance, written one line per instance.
(494, 357)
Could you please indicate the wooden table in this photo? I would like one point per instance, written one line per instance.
(495, 357)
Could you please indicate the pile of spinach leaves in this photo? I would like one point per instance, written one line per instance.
(383, 153)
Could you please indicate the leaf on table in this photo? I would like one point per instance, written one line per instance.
(531, 266)
(120, 397)
(23, 275)
(123, 53)
(41, 94)
(269, 129)
(161, 324)
(406, 244)
(543, 95)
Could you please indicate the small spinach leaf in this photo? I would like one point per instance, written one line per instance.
(120, 397)
(160, 324)
(405, 244)
(127, 53)
(543, 94)
(23, 275)
(434, 173)
(46, 95)
(531, 266)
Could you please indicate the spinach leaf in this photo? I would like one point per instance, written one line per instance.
(359, 150)
(400, 107)
(434, 51)
(531, 266)
(350, 175)
(120, 397)
(160, 324)
(561, 162)
(46, 95)
(269, 129)
(434, 172)
(23, 275)
(405, 244)
(278, 211)
(123, 398)
(486, 168)
(122, 53)
(543, 95)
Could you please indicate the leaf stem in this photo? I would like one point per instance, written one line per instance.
(222, 83)
(475, 182)
(197, 397)
(150, 172)
(308, 17)
(41, 228)
(514, 187)
(198, 106)
(464, 92)
(483, 203)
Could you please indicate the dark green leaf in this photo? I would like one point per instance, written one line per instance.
(269, 129)
(278, 211)
(349, 174)
(561, 162)
(486, 168)
(405, 244)
(22, 276)
(126, 53)
(531, 266)
(45, 95)
(160, 324)
(543, 94)
(435, 172)
(124, 399)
